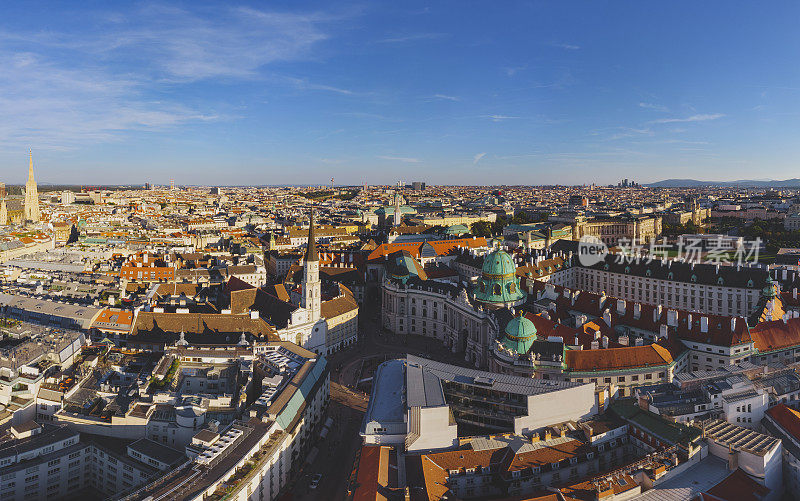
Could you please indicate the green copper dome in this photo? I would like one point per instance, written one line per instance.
(498, 263)
(519, 335)
(499, 284)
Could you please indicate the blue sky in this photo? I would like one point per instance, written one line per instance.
(445, 92)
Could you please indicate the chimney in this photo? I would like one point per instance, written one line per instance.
(621, 306)
(605, 341)
(733, 459)
(672, 318)
(637, 310)
(656, 313)
(703, 324)
(689, 320)
(663, 330)
(794, 293)
(733, 324)
(639, 341)
(595, 345)
(607, 317)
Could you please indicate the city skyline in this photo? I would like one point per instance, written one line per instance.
(527, 94)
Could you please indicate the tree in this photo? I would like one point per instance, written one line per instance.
(481, 229)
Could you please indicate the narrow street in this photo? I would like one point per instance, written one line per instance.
(337, 452)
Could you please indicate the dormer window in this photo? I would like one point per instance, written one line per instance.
(573, 460)
(694, 279)
(720, 281)
(555, 466)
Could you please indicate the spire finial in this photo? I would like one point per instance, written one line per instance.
(311, 248)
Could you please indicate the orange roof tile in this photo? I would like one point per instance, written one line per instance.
(609, 359)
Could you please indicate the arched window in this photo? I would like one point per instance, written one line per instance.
(497, 289)
(694, 279)
(512, 288)
(483, 286)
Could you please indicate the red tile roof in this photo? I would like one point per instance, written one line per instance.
(442, 247)
(776, 335)
(787, 418)
(609, 359)
(738, 486)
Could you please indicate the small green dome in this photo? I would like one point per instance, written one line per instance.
(520, 333)
(499, 284)
(498, 264)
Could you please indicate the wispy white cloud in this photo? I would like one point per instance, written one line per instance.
(566, 46)
(477, 158)
(654, 107)
(446, 97)
(229, 42)
(513, 70)
(627, 132)
(329, 134)
(408, 160)
(61, 88)
(304, 84)
(50, 106)
(500, 118)
(412, 37)
(694, 118)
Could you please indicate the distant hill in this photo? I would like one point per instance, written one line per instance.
(744, 183)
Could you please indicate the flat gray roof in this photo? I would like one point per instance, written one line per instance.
(424, 381)
(64, 310)
(387, 403)
(159, 452)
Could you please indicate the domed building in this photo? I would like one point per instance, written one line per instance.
(520, 351)
(498, 286)
(519, 335)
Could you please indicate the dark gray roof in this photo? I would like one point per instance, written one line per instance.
(157, 451)
(424, 381)
(706, 274)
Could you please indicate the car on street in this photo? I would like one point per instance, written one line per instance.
(315, 479)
